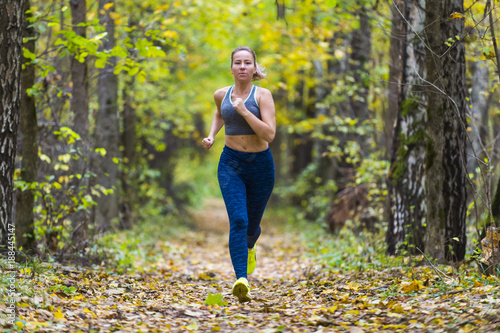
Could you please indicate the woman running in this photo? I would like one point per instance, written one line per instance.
(246, 167)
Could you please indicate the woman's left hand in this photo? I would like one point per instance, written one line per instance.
(239, 105)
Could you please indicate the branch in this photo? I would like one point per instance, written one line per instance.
(438, 272)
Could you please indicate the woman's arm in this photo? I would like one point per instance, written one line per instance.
(265, 128)
(217, 121)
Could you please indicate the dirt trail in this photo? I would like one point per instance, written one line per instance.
(205, 263)
(278, 255)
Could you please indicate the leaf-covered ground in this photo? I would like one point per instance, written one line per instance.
(292, 292)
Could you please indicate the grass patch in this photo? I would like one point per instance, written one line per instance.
(132, 250)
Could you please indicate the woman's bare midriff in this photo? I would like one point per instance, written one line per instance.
(246, 143)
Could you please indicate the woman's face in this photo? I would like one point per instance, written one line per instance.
(243, 66)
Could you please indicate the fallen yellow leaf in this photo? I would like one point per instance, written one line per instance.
(409, 286)
(398, 308)
(332, 309)
(89, 312)
(59, 315)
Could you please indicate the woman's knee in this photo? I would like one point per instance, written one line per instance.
(238, 222)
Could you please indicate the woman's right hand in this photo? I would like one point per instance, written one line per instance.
(207, 143)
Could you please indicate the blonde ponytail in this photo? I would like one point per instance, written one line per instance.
(260, 73)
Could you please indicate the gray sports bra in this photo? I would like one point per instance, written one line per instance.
(234, 123)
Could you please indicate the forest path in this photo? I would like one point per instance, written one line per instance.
(291, 293)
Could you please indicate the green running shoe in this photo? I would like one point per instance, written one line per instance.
(241, 289)
(252, 260)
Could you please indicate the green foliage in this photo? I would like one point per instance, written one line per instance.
(197, 172)
(373, 172)
(311, 193)
(350, 251)
(120, 253)
(33, 267)
(68, 291)
(62, 193)
(133, 250)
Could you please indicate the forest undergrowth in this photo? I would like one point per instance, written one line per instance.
(168, 278)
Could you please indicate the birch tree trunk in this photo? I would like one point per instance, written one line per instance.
(445, 238)
(107, 129)
(11, 39)
(407, 176)
(25, 235)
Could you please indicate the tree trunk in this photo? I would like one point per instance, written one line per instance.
(395, 229)
(107, 129)
(407, 175)
(396, 65)
(25, 234)
(301, 144)
(129, 143)
(80, 108)
(478, 141)
(356, 106)
(324, 164)
(495, 206)
(11, 32)
(79, 98)
(479, 111)
(61, 64)
(337, 70)
(281, 99)
(445, 238)
(360, 56)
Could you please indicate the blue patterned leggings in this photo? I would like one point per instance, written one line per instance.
(246, 181)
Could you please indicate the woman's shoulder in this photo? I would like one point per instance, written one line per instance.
(262, 92)
(221, 92)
